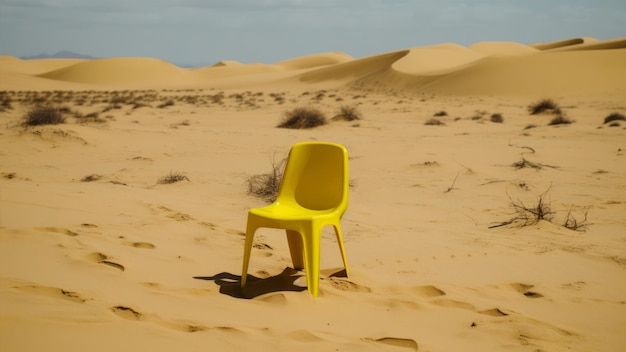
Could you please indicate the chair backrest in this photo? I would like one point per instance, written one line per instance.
(316, 176)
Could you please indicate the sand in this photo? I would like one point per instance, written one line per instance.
(96, 255)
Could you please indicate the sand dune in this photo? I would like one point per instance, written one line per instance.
(482, 68)
(118, 71)
(534, 75)
(612, 44)
(311, 61)
(502, 48)
(232, 70)
(558, 44)
(34, 67)
(435, 59)
(352, 69)
(97, 255)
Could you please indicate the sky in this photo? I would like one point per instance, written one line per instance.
(203, 32)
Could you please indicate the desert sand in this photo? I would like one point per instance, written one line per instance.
(97, 255)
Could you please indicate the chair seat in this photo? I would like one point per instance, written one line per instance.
(296, 213)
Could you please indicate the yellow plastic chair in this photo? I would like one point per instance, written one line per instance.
(313, 193)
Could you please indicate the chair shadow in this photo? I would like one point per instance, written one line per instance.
(230, 284)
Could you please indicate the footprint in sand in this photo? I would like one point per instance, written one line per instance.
(103, 259)
(495, 312)
(428, 291)
(173, 214)
(346, 285)
(54, 292)
(525, 290)
(274, 298)
(449, 303)
(263, 246)
(129, 313)
(398, 342)
(57, 230)
(304, 336)
(144, 245)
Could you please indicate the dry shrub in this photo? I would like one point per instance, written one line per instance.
(166, 104)
(441, 113)
(43, 115)
(266, 186)
(90, 117)
(614, 117)
(544, 106)
(347, 113)
(524, 163)
(524, 215)
(300, 118)
(572, 223)
(172, 177)
(497, 118)
(91, 178)
(560, 120)
(434, 122)
(5, 103)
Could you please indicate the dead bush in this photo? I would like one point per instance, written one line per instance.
(560, 120)
(614, 117)
(541, 210)
(43, 115)
(347, 113)
(497, 118)
(434, 122)
(301, 118)
(544, 106)
(266, 186)
(524, 215)
(172, 177)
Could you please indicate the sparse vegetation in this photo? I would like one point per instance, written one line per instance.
(529, 215)
(497, 118)
(614, 117)
(541, 210)
(544, 106)
(301, 118)
(574, 224)
(172, 177)
(166, 104)
(434, 122)
(266, 186)
(91, 178)
(560, 120)
(44, 115)
(524, 163)
(348, 113)
(5, 103)
(479, 114)
(441, 113)
(90, 117)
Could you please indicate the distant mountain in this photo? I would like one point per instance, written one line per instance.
(63, 54)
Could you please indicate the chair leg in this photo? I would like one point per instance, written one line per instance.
(250, 230)
(312, 259)
(294, 238)
(341, 247)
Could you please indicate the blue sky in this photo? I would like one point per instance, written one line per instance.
(202, 32)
